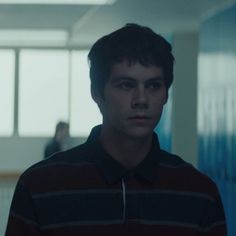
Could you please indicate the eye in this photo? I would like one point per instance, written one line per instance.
(155, 85)
(125, 85)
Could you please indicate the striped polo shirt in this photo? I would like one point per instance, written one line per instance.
(85, 192)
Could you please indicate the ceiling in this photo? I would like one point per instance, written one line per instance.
(85, 23)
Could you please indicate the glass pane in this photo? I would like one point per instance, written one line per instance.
(43, 91)
(7, 71)
(84, 111)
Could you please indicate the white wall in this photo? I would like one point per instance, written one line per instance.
(17, 154)
(7, 188)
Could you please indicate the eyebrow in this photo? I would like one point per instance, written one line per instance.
(157, 78)
(128, 78)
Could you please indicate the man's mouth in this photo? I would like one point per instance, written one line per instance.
(139, 117)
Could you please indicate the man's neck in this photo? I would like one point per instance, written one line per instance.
(129, 152)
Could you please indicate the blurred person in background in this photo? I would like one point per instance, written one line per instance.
(57, 143)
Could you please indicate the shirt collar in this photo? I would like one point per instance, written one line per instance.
(112, 170)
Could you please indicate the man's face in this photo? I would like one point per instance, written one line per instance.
(134, 96)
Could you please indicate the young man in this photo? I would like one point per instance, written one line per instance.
(120, 182)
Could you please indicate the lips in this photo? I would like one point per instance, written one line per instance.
(139, 121)
(139, 117)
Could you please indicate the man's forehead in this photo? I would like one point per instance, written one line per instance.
(125, 68)
(131, 62)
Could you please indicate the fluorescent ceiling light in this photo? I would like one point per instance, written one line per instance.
(33, 37)
(82, 2)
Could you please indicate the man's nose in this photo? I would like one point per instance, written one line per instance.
(140, 98)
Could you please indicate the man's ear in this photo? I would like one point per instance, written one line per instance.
(96, 95)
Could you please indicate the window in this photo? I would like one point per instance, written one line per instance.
(84, 111)
(54, 85)
(43, 91)
(7, 71)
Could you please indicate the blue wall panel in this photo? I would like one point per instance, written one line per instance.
(217, 107)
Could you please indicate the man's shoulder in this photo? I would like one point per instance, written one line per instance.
(171, 160)
(185, 175)
(61, 163)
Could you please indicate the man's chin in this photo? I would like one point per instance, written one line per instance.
(140, 132)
